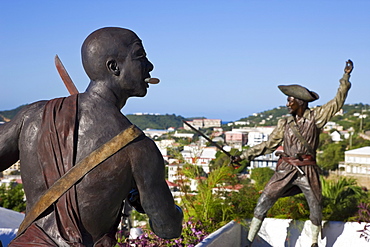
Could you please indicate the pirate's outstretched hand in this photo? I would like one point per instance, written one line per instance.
(349, 67)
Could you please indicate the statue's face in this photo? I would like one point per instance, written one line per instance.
(292, 105)
(135, 69)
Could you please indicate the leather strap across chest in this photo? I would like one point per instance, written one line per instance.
(77, 172)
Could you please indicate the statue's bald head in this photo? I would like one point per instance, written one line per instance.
(109, 43)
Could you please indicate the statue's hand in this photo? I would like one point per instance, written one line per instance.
(134, 200)
(235, 159)
(349, 67)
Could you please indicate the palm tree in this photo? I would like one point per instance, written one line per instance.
(340, 198)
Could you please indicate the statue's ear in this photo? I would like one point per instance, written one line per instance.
(113, 67)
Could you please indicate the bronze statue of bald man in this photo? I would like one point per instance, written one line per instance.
(50, 137)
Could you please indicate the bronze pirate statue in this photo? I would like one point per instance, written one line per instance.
(296, 170)
(53, 138)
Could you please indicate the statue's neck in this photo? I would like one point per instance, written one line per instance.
(106, 92)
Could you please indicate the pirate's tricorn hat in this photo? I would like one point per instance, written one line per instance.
(299, 92)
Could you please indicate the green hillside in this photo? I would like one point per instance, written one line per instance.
(266, 118)
(7, 115)
(156, 121)
(350, 117)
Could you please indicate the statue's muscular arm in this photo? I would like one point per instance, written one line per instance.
(18, 134)
(9, 137)
(149, 174)
(9, 152)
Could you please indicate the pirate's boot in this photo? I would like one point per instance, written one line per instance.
(253, 230)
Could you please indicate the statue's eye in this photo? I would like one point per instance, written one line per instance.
(139, 53)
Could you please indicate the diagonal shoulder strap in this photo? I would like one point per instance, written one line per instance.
(296, 132)
(77, 172)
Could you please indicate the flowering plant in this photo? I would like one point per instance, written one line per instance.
(192, 234)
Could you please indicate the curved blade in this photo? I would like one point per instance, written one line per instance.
(65, 76)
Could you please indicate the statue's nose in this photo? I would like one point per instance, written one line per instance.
(149, 66)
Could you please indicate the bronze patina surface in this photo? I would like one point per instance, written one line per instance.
(50, 137)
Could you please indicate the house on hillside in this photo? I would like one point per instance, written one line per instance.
(357, 161)
(259, 134)
(203, 123)
(163, 145)
(173, 170)
(13, 168)
(266, 160)
(199, 155)
(154, 133)
(236, 138)
(336, 136)
(183, 135)
(332, 125)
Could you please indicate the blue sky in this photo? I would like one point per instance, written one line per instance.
(217, 59)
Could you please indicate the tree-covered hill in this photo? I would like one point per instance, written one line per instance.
(156, 121)
(5, 116)
(353, 115)
(142, 121)
(266, 118)
(351, 118)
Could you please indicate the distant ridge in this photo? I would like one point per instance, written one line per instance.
(6, 116)
(349, 115)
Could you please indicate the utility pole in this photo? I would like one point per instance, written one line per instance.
(361, 117)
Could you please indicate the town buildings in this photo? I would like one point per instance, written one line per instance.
(357, 161)
(203, 123)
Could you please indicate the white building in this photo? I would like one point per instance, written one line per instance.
(332, 125)
(203, 123)
(199, 155)
(336, 136)
(154, 133)
(15, 167)
(258, 135)
(173, 169)
(357, 161)
(267, 160)
(207, 155)
(183, 135)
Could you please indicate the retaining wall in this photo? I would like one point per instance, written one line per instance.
(291, 233)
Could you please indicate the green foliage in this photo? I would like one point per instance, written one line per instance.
(11, 113)
(223, 159)
(270, 117)
(331, 155)
(242, 202)
(193, 171)
(325, 139)
(340, 202)
(348, 120)
(15, 172)
(213, 205)
(135, 215)
(358, 142)
(340, 198)
(182, 141)
(261, 176)
(12, 197)
(156, 121)
(294, 207)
